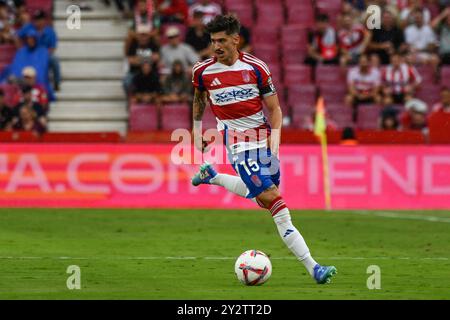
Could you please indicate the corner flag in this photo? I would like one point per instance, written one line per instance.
(320, 128)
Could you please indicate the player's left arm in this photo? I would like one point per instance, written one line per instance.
(276, 120)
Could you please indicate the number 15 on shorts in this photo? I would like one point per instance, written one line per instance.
(247, 165)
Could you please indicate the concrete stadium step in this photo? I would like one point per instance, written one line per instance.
(96, 30)
(100, 10)
(88, 126)
(88, 105)
(91, 90)
(89, 112)
(93, 70)
(101, 50)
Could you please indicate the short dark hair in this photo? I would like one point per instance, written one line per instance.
(228, 23)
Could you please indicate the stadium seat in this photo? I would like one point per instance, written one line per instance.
(343, 118)
(294, 35)
(333, 92)
(175, 116)
(439, 126)
(265, 35)
(429, 93)
(427, 74)
(143, 117)
(270, 11)
(330, 74)
(300, 13)
(445, 76)
(243, 9)
(268, 53)
(7, 52)
(303, 93)
(296, 74)
(10, 92)
(368, 116)
(275, 70)
(301, 114)
(45, 5)
(293, 56)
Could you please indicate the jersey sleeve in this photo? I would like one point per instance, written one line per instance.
(265, 83)
(197, 80)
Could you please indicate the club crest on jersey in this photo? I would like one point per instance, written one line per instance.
(246, 76)
(256, 181)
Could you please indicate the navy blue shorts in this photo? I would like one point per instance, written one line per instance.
(258, 168)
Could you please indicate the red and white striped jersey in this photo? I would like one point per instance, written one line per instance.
(352, 39)
(399, 78)
(235, 94)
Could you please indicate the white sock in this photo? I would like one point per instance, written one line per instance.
(233, 184)
(290, 235)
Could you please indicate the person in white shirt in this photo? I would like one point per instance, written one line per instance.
(422, 42)
(208, 8)
(363, 82)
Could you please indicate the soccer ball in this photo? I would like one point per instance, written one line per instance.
(253, 268)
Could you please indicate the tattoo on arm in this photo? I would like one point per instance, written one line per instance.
(199, 105)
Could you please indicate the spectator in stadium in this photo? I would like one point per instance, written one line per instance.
(177, 50)
(7, 33)
(46, 37)
(6, 113)
(144, 46)
(388, 39)
(415, 117)
(363, 84)
(407, 14)
(389, 119)
(422, 42)
(443, 106)
(400, 81)
(245, 40)
(197, 37)
(322, 43)
(146, 86)
(27, 102)
(28, 121)
(348, 137)
(39, 93)
(353, 40)
(207, 7)
(442, 26)
(177, 86)
(172, 11)
(143, 14)
(31, 54)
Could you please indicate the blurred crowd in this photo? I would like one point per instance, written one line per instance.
(389, 65)
(28, 83)
(164, 42)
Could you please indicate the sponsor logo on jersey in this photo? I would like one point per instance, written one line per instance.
(246, 76)
(235, 95)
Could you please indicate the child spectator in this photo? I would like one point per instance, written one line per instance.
(389, 119)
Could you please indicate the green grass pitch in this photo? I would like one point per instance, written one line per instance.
(190, 254)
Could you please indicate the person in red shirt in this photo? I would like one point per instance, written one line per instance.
(353, 40)
(322, 43)
(443, 105)
(39, 93)
(172, 11)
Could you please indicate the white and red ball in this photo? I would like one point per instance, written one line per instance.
(253, 268)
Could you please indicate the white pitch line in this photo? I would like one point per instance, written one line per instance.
(387, 214)
(217, 258)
